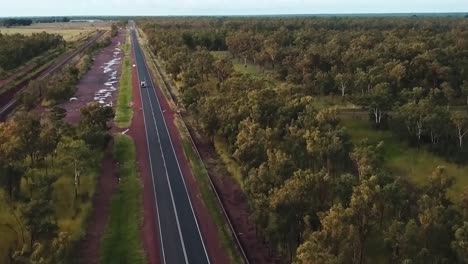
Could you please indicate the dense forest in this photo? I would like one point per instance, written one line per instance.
(316, 196)
(48, 174)
(16, 49)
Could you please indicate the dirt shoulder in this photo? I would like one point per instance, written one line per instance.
(235, 203)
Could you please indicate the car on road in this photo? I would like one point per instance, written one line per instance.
(143, 84)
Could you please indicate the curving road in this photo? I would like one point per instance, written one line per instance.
(180, 237)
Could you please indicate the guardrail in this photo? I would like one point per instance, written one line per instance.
(212, 185)
(10, 97)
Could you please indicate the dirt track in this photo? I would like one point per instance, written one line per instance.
(93, 81)
(99, 84)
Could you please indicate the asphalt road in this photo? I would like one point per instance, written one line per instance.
(180, 237)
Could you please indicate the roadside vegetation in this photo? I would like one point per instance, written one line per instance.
(61, 85)
(121, 242)
(124, 111)
(319, 190)
(208, 196)
(48, 172)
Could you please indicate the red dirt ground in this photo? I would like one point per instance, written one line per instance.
(149, 231)
(236, 205)
(208, 228)
(93, 80)
(91, 246)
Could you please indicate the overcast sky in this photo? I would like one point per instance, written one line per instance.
(223, 7)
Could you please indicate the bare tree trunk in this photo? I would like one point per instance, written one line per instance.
(76, 181)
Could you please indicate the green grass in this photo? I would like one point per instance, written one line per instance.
(239, 65)
(121, 242)
(327, 101)
(68, 34)
(402, 160)
(208, 196)
(124, 112)
(231, 165)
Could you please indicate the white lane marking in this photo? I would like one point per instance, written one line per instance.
(125, 132)
(177, 160)
(151, 163)
(168, 181)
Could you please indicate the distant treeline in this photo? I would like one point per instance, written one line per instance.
(8, 22)
(16, 22)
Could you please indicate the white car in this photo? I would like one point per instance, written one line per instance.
(143, 84)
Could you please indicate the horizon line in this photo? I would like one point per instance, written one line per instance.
(237, 15)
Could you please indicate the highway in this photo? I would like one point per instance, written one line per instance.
(179, 234)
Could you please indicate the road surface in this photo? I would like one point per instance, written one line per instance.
(180, 237)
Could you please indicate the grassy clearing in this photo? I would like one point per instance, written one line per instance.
(239, 65)
(328, 101)
(403, 160)
(208, 197)
(68, 34)
(124, 112)
(69, 31)
(121, 242)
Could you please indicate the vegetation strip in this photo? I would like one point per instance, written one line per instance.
(124, 111)
(208, 192)
(121, 242)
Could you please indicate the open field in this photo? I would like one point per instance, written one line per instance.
(69, 31)
(405, 161)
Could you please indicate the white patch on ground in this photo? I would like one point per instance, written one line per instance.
(104, 95)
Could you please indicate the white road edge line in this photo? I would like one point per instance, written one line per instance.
(149, 158)
(168, 182)
(178, 165)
